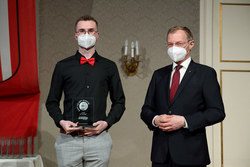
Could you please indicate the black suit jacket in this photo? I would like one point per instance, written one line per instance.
(198, 99)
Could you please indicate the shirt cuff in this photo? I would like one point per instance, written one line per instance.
(186, 124)
(153, 121)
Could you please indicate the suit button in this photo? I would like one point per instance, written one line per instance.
(170, 112)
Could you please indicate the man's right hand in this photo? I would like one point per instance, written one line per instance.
(69, 126)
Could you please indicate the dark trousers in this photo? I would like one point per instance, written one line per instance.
(171, 164)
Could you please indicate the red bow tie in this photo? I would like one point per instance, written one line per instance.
(91, 61)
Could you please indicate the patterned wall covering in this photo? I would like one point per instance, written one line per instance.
(144, 20)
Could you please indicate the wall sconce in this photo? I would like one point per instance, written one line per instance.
(131, 66)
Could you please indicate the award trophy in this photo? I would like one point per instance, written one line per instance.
(83, 111)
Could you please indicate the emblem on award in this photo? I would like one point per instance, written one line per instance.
(82, 111)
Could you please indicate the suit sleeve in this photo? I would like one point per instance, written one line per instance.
(213, 104)
(148, 109)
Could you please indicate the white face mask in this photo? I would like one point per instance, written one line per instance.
(177, 53)
(86, 41)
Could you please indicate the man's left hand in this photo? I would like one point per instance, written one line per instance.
(99, 127)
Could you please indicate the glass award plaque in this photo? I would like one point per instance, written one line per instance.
(83, 111)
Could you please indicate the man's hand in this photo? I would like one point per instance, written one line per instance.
(69, 126)
(169, 122)
(99, 127)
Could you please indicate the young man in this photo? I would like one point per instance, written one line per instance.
(182, 99)
(85, 78)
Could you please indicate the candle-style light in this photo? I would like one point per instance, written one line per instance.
(136, 48)
(126, 48)
(131, 66)
(132, 49)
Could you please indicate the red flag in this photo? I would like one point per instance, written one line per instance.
(19, 89)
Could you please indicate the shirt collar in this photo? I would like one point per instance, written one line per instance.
(79, 55)
(184, 64)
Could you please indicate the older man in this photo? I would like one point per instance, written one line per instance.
(182, 99)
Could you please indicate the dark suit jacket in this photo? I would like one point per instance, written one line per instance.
(198, 99)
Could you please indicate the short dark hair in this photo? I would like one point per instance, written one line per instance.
(86, 18)
(185, 29)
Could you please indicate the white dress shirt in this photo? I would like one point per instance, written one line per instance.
(182, 70)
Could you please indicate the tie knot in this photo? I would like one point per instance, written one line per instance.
(178, 67)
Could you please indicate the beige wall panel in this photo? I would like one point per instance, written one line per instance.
(235, 32)
(236, 136)
(225, 38)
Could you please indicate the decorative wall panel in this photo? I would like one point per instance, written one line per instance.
(235, 32)
(236, 93)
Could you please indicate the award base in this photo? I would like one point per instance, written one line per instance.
(83, 126)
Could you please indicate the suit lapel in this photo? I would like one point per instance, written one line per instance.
(187, 76)
(169, 70)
